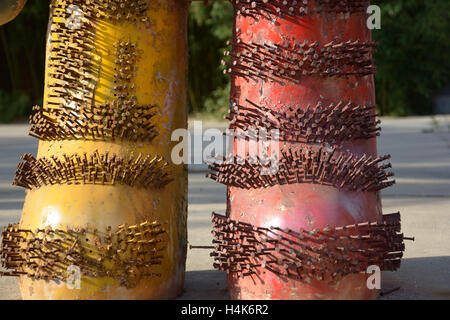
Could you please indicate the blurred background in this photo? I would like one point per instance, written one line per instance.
(412, 60)
(413, 79)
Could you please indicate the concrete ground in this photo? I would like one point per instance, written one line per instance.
(420, 149)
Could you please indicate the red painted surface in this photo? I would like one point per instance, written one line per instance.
(303, 205)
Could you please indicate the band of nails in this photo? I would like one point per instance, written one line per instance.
(292, 60)
(75, 65)
(296, 8)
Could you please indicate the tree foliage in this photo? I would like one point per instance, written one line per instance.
(413, 56)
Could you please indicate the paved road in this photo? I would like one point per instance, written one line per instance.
(420, 149)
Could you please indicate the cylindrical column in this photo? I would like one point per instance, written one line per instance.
(303, 68)
(115, 90)
(9, 9)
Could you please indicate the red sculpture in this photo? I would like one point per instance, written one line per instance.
(310, 230)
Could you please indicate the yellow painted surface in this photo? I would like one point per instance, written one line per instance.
(160, 80)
